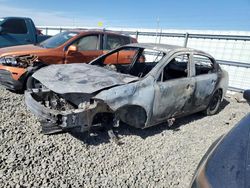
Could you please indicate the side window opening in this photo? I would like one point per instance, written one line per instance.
(203, 65)
(176, 68)
(115, 41)
(15, 26)
(88, 43)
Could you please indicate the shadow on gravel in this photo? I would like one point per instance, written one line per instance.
(93, 137)
(151, 131)
(101, 136)
(224, 103)
(19, 92)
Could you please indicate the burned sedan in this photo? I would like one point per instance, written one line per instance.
(140, 85)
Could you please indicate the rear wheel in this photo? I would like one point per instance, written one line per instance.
(214, 104)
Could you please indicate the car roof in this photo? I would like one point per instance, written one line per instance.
(15, 17)
(166, 48)
(97, 31)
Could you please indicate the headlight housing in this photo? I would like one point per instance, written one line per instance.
(22, 61)
(9, 61)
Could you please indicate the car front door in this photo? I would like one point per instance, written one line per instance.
(88, 48)
(206, 78)
(174, 89)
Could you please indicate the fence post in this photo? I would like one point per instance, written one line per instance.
(186, 40)
(160, 36)
(136, 35)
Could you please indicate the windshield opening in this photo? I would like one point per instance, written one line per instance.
(131, 60)
(58, 39)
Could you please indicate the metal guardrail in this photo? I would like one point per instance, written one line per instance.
(162, 34)
(232, 63)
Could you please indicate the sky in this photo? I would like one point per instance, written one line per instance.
(165, 14)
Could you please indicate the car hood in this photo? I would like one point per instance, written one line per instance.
(20, 50)
(80, 78)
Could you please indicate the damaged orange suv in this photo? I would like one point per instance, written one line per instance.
(18, 63)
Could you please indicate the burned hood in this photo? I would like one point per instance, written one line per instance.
(80, 78)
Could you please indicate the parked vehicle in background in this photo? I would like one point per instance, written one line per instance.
(18, 31)
(152, 84)
(18, 63)
(227, 161)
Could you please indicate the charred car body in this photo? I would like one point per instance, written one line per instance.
(152, 84)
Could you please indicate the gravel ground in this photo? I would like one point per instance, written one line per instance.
(157, 156)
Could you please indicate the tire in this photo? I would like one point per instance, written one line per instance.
(214, 103)
(32, 83)
(246, 95)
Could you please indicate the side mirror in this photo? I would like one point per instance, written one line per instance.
(72, 48)
(246, 95)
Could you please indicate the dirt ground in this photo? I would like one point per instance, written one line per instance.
(153, 157)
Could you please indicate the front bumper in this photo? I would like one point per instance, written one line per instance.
(8, 81)
(82, 118)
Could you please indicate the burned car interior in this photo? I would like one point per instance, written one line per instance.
(176, 68)
(138, 62)
(203, 65)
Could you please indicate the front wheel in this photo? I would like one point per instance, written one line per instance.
(214, 104)
(32, 83)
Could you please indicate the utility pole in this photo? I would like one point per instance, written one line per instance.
(158, 24)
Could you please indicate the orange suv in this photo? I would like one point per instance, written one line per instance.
(18, 63)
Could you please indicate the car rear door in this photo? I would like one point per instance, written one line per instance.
(174, 89)
(206, 78)
(15, 32)
(88, 48)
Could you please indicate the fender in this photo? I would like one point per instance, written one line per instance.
(30, 70)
